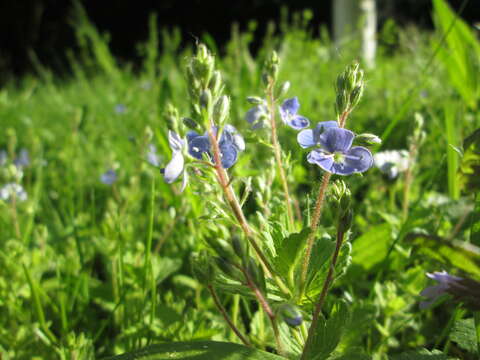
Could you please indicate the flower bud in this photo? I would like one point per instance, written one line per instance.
(256, 274)
(356, 95)
(206, 99)
(255, 100)
(283, 89)
(190, 123)
(290, 314)
(221, 109)
(220, 247)
(238, 247)
(215, 83)
(227, 267)
(202, 268)
(367, 139)
(342, 103)
(345, 221)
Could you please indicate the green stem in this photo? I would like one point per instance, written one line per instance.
(234, 204)
(278, 154)
(323, 295)
(226, 317)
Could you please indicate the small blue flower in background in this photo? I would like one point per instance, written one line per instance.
(152, 156)
(335, 153)
(230, 144)
(108, 177)
(392, 162)
(120, 109)
(8, 191)
(288, 113)
(445, 283)
(175, 166)
(23, 159)
(256, 116)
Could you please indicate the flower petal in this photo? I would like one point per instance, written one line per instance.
(229, 155)
(198, 146)
(321, 127)
(191, 134)
(336, 139)
(231, 135)
(359, 158)
(318, 157)
(175, 141)
(174, 168)
(305, 138)
(255, 114)
(298, 122)
(290, 106)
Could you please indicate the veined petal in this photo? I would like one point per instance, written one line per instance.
(175, 141)
(359, 158)
(191, 134)
(318, 157)
(321, 127)
(305, 138)
(298, 122)
(174, 168)
(290, 106)
(229, 155)
(198, 146)
(336, 139)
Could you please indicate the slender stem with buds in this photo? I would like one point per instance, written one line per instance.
(266, 307)
(278, 153)
(234, 204)
(226, 317)
(323, 294)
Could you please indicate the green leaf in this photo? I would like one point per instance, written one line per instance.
(464, 334)
(289, 251)
(423, 354)
(198, 350)
(329, 332)
(371, 248)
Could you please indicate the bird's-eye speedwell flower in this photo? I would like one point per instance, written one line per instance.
(392, 162)
(8, 191)
(256, 116)
(175, 166)
(445, 283)
(288, 113)
(108, 177)
(231, 143)
(334, 152)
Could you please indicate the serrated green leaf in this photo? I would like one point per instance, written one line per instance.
(464, 334)
(289, 251)
(371, 248)
(198, 350)
(329, 332)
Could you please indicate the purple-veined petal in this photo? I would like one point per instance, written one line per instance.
(321, 127)
(254, 115)
(305, 138)
(318, 157)
(358, 158)
(229, 155)
(231, 135)
(175, 141)
(341, 168)
(290, 106)
(298, 122)
(336, 139)
(174, 168)
(198, 146)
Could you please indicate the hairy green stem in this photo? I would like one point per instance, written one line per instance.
(323, 294)
(278, 153)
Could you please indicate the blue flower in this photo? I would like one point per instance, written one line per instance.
(175, 167)
(335, 153)
(23, 159)
(256, 116)
(288, 113)
(152, 156)
(446, 283)
(120, 109)
(231, 143)
(108, 177)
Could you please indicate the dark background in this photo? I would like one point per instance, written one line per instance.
(45, 26)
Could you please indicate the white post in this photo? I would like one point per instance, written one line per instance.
(369, 31)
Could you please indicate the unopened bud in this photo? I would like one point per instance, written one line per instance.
(190, 123)
(345, 221)
(228, 268)
(356, 95)
(367, 139)
(290, 314)
(206, 99)
(255, 100)
(202, 268)
(283, 89)
(256, 274)
(220, 247)
(342, 102)
(238, 247)
(215, 84)
(221, 109)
